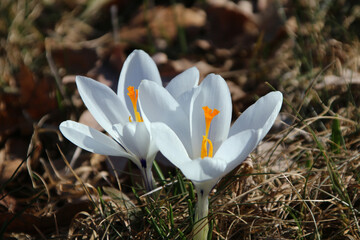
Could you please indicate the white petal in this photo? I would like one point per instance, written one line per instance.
(183, 82)
(137, 67)
(214, 93)
(152, 152)
(259, 116)
(157, 105)
(169, 144)
(90, 139)
(203, 169)
(103, 103)
(136, 139)
(236, 148)
(186, 100)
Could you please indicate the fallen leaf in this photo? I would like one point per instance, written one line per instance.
(163, 22)
(28, 223)
(88, 119)
(348, 77)
(182, 64)
(37, 96)
(72, 58)
(121, 199)
(7, 201)
(236, 24)
(236, 92)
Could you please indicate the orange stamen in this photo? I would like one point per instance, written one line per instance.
(209, 115)
(133, 94)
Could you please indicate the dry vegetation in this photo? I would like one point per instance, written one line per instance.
(302, 182)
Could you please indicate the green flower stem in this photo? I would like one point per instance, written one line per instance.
(201, 226)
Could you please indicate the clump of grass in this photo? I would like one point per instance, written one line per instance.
(313, 197)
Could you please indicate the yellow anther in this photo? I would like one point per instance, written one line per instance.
(133, 94)
(209, 115)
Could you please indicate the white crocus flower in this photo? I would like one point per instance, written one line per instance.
(118, 113)
(194, 133)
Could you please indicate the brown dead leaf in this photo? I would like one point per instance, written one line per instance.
(348, 77)
(88, 119)
(11, 160)
(163, 22)
(28, 223)
(71, 57)
(11, 115)
(271, 23)
(7, 166)
(236, 92)
(204, 68)
(8, 202)
(236, 23)
(33, 99)
(37, 96)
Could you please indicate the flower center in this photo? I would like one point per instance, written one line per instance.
(133, 94)
(209, 115)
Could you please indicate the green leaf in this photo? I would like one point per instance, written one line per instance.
(336, 136)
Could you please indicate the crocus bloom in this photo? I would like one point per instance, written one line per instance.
(194, 133)
(118, 113)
